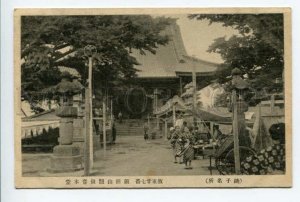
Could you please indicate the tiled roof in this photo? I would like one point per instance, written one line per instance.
(201, 66)
(171, 60)
(48, 115)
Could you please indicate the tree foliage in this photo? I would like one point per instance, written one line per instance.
(48, 42)
(257, 50)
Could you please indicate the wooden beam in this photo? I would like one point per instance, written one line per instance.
(104, 125)
(166, 128)
(174, 114)
(180, 85)
(235, 130)
(87, 132)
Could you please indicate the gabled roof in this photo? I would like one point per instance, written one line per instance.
(172, 59)
(201, 66)
(48, 115)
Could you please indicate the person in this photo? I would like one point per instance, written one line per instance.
(146, 131)
(179, 121)
(216, 132)
(114, 133)
(270, 160)
(175, 143)
(187, 151)
(185, 127)
(120, 117)
(172, 129)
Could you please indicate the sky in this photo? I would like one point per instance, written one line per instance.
(198, 35)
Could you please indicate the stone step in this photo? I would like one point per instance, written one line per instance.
(130, 131)
(130, 127)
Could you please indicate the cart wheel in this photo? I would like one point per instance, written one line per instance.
(220, 165)
(226, 165)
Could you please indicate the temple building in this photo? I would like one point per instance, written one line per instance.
(164, 74)
(160, 77)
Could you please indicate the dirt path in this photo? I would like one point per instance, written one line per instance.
(133, 156)
(130, 156)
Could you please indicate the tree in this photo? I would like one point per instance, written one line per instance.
(257, 50)
(48, 42)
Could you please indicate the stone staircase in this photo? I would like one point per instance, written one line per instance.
(130, 127)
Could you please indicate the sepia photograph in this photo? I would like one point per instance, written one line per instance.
(152, 98)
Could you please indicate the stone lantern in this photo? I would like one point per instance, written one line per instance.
(66, 156)
(241, 88)
(78, 123)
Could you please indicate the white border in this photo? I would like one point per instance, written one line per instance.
(10, 194)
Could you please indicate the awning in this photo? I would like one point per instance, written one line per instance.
(168, 107)
(210, 115)
(34, 128)
(203, 114)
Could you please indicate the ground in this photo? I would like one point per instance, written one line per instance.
(130, 156)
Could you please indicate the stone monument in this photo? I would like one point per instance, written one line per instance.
(66, 156)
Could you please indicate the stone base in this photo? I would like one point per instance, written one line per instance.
(79, 144)
(66, 158)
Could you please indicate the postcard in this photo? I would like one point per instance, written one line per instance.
(153, 98)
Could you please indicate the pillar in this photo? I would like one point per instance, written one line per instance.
(166, 128)
(174, 114)
(211, 126)
(180, 85)
(155, 101)
(272, 104)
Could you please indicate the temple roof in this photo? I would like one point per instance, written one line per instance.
(172, 59)
(48, 115)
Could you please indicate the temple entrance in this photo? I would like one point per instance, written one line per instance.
(133, 103)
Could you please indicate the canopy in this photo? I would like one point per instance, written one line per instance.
(168, 107)
(203, 114)
(34, 128)
(208, 115)
(34, 125)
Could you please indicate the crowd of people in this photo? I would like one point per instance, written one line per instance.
(183, 139)
(186, 139)
(270, 160)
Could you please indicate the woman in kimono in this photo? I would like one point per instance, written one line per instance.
(176, 143)
(188, 149)
(270, 160)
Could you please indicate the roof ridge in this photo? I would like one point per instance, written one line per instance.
(40, 114)
(178, 44)
(201, 60)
